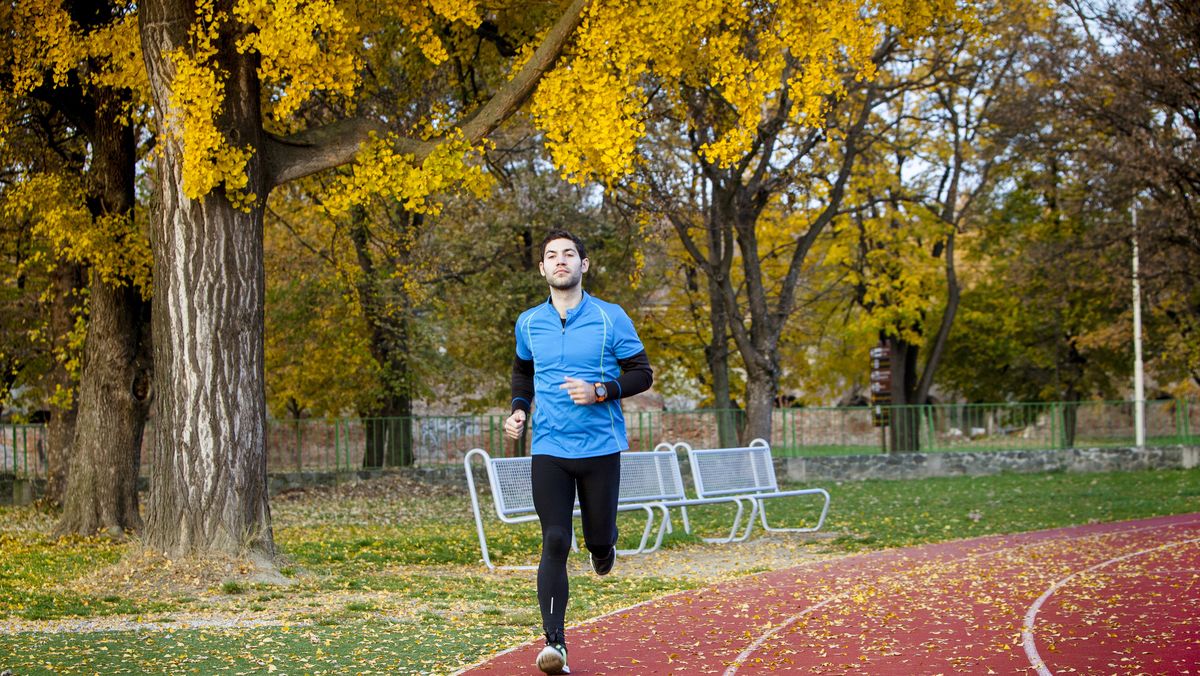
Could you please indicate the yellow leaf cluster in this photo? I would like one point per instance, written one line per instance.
(47, 47)
(197, 93)
(44, 39)
(306, 46)
(117, 47)
(111, 244)
(419, 17)
(900, 277)
(751, 55)
(381, 170)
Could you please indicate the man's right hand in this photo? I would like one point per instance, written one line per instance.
(514, 424)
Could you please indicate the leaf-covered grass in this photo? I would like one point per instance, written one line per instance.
(884, 514)
(32, 564)
(387, 576)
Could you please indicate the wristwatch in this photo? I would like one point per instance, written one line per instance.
(601, 392)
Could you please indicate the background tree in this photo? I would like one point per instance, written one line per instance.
(80, 61)
(45, 290)
(1130, 82)
(921, 184)
(1045, 319)
(753, 93)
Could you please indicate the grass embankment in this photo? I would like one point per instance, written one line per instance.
(386, 578)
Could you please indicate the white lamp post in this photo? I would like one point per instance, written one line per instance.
(1139, 392)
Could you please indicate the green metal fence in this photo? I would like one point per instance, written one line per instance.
(320, 445)
(23, 450)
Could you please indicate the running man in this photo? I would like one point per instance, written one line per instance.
(576, 356)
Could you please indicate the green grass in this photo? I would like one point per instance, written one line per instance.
(363, 647)
(391, 583)
(882, 514)
(32, 563)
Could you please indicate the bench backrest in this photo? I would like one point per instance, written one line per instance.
(650, 476)
(512, 487)
(646, 476)
(731, 471)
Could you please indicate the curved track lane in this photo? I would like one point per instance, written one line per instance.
(1103, 598)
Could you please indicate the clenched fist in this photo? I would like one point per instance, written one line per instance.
(514, 424)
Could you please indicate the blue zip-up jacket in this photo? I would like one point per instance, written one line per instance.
(588, 346)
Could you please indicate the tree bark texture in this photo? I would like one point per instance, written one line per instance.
(906, 413)
(716, 355)
(67, 280)
(113, 403)
(115, 381)
(208, 488)
(720, 259)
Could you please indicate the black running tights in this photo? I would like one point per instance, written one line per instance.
(555, 482)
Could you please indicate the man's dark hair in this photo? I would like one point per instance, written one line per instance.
(563, 234)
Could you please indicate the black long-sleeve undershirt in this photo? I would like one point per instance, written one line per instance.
(636, 377)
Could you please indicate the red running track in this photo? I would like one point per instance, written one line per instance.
(1103, 598)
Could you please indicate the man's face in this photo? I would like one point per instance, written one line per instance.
(561, 264)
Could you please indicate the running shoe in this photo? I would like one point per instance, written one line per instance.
(553, 659)
(602, 566)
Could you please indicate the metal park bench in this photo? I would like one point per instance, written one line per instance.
(650, 482)
(749, 473)
(653, 478)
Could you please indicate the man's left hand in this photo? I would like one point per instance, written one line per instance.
(582, 392)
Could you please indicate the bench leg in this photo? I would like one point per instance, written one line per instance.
(483, 548)
(737, 520)
(813, 529)
(641, 548)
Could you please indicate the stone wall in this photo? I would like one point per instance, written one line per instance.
(922, 465)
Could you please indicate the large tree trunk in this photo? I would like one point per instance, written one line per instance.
(208, 475)
(67, 281)
(113, 402)
(761, 389)
(906, 413)
(716, 353)
(115, 381)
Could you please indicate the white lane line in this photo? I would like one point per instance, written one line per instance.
(1027, 639)
(753, 647)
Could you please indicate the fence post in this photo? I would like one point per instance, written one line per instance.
(1180, 417)
(929, 426)
(1183, 414)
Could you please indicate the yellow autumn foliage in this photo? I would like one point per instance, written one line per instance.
(111, 245)
(381, 170)
(753, 54)
(305, 47)
(45, 46)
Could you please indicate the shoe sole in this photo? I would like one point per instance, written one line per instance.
(550, 661)
(597, 569)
